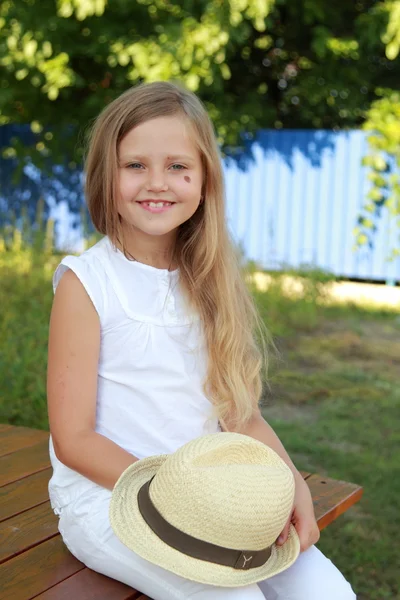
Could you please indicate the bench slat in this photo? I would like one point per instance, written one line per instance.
(24, 494)
(4, 426)
(332, 498)
(24, 462)
(89, 585)
(37, 570)
(16, 438)
(26, 530)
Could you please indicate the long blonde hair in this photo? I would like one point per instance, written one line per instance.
(210, 272)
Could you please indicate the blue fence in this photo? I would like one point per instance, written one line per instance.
(293, 198)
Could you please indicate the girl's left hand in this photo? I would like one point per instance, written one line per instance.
(302, 517)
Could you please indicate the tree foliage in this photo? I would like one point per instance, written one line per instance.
(383, 160)
(255, 63)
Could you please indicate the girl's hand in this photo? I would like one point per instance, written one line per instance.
(302, 517)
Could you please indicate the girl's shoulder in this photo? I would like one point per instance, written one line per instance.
(89, 268)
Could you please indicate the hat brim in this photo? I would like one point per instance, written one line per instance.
(132, 530)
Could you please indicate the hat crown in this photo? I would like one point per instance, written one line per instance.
(227, 489)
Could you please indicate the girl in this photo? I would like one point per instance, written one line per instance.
(152, 340)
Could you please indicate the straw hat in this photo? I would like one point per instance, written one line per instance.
(210, 512)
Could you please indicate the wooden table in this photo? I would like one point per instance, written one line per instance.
(34, 563)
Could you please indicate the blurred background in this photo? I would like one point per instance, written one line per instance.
(305, 99)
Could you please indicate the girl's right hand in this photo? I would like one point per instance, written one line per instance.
(302, 517)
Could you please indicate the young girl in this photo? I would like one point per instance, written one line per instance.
(152, 340)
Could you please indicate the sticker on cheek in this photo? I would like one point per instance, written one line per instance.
(187, 179)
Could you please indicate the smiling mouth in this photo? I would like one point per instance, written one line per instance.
(155, 203)
(156, 207)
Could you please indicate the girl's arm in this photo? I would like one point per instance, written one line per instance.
(73, 355)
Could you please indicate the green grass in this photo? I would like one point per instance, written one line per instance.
(335, 403)
(334, 400)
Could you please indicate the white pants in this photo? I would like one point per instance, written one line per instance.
(86, 531)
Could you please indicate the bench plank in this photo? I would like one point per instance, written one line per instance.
(332, 498)
(24, 462)
(37, 570)
(24, 494)
(26, 530)
(89, 585)
(4, 426)
(16, 438)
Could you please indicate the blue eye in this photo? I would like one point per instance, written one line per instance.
(134, 165)
(180, 167)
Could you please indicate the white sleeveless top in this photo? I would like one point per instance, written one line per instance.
(152, 363)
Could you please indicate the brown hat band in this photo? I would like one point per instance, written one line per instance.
(191, 546)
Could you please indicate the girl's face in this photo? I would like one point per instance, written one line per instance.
(160, 176)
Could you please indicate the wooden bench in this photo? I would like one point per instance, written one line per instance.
(34, 563)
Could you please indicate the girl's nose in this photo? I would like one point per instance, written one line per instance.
(156, 182)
